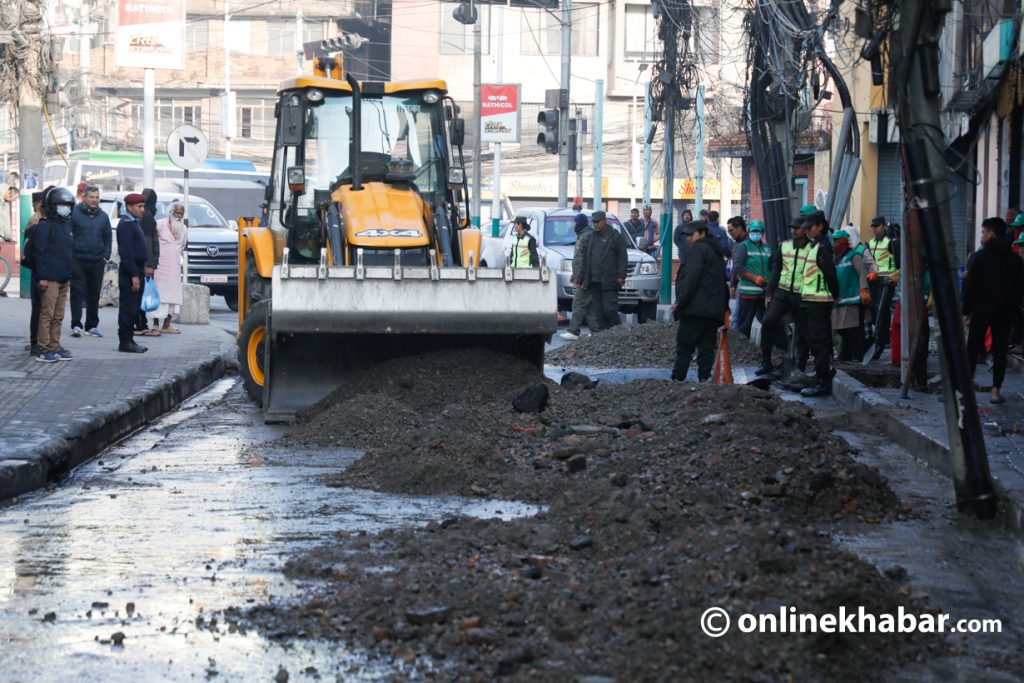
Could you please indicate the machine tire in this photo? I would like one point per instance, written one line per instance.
(250, 351)
(647, 311)
(231, 298)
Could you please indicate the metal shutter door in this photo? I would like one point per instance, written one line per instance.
(958, 218)
(890, 184)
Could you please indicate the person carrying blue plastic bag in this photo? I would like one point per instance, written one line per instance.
(150, 296)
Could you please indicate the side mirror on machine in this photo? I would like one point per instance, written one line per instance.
(458, 131)
(291, 124)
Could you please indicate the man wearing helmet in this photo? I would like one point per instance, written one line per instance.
(51, 254)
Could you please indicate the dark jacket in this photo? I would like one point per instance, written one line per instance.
(701, 289)
(91, 228)
(148, 223)
(995, 281)
(131, 247)
(603, 258)
(51, 250)
(724, 240)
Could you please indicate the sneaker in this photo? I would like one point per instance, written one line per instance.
(48, 357)
(64, 354)
(569, 336)
(764, 370)
(76, 331)
(816, 389)
(95, 332)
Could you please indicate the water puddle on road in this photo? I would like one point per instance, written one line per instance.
(184, 519)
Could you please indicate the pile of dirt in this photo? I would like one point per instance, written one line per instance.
(661, 500)
(652, 345)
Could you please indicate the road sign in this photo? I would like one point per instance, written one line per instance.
(187, 147)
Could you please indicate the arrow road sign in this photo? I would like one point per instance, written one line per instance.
(187, 147)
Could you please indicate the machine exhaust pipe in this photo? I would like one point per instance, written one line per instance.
(357, 131)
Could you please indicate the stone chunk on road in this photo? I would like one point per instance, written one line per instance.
(532, 399)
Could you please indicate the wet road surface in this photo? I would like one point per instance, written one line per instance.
(176, 523)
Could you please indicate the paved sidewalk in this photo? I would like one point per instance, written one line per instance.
(54, 416)
(918, 424)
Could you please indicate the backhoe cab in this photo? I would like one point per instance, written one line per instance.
(366, 253)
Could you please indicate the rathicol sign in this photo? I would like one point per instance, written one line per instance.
(151, 34)
(499, 113)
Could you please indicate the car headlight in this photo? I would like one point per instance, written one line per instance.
(648, 268)
(565, 265)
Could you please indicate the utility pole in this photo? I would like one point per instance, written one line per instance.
(579, 154)
(647, 145)
(148, 126)
(666, 202)
(496, 182)
(598, 135)
(84, 68)
(226, 110)
(299, 35)
(914, 74)
(477, 177)
(698, 198)
(563, 107)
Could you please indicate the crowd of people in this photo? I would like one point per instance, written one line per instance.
(68, 242)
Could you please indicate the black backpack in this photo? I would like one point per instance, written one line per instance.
(27, 257)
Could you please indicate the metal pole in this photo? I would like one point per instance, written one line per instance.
(647, 145)
(579, 154)
(666, 203)
(496, 181)
(634, 150)
(226, 107)
(148, 126)
(698, 198)
(598, 134)
(477, 174)
(298, 41)
(918, 108)
(563, 106)
(84, 66)
(184, 252)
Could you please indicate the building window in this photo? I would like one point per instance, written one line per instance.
(197, 33)
(190, 114)
(256, 120)
(245, 129)
(280, 35)
(641, 38)
(542, 32)
(706, 34)
(456, 38)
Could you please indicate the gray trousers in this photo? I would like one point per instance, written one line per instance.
(585, 311)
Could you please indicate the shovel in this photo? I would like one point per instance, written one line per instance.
(876, 345)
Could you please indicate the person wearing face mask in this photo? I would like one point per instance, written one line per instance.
(173, 234)
(854, 298)
(51, 254)
(751, 269)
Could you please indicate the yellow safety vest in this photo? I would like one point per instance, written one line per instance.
(521, 251)
(883, 259)
(793, 260)
(814, 288)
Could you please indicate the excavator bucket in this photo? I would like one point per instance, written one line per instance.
(325, 320)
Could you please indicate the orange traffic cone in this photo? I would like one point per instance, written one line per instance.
(723, 368)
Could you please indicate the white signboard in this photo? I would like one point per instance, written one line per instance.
(151, 34)
(187, 147)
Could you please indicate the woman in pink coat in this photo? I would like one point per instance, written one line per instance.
(173, 235)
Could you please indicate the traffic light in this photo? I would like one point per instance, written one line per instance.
(346, 41)
(548, 136)
(465, 14)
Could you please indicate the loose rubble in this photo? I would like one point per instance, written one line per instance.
(661, 499)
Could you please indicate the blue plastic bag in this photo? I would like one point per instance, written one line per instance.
(150, 297)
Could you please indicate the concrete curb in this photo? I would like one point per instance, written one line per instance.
(855, 396)
(82, 438)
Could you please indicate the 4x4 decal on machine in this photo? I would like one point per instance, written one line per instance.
(379, 232)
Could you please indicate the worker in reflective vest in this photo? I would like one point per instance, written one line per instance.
(782, 294)
(751, 270)
(848, 314)
(818, 292)
(524, 245)
(883, 252)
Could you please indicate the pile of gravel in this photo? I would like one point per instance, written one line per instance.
(662, 499)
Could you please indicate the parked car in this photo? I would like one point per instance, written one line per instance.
(556, 239)
(212, 242)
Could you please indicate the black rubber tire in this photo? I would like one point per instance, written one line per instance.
(255, 324)
(232, 301)
(647, 311)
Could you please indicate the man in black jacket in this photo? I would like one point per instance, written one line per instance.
(993, 290)
(91, 251)
(131, 247)
(603, 267)
(702, 301)
(147, 221)
(51, 260)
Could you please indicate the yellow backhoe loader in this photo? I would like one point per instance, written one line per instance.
(365, 252)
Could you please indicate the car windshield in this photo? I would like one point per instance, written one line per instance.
(393, 128)
(559, 232)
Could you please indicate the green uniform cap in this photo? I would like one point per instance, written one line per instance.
(840, 235)
(808, 209)
(1018, 221)
(756, 226)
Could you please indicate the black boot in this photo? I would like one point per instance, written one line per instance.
(817, 389)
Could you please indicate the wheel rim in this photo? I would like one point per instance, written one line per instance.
(255, 354)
